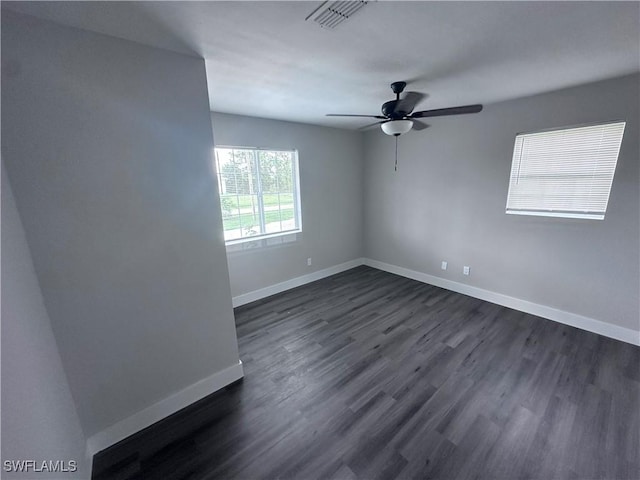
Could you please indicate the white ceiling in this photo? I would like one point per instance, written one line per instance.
(263, 59)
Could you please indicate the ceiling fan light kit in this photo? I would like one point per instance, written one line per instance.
(396, 127)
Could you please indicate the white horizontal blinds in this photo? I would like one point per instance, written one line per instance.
(258, 192)
(565, 172)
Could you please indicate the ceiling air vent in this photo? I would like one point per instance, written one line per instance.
(331, 14)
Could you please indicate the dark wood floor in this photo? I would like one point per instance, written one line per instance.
(369, 375)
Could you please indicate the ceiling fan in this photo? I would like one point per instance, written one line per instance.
(397, 117)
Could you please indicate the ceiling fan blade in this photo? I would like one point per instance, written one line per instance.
(418, 125)
(408, 101)
(349, 115)
(447, 111)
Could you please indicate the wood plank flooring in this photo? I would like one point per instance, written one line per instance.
(368, 375)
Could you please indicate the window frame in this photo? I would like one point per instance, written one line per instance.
(585, 215)
(297, 204)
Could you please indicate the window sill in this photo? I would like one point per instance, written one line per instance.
(263, 241)
(538, 213)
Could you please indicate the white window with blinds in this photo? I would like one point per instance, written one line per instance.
(259, 193)
(566, 172)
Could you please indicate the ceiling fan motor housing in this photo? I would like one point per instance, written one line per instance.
(389, 110)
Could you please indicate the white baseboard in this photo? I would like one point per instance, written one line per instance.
(163, 408)
(294, 282)
(585, 323)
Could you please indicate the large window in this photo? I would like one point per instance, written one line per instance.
(566, 172)
(259, 192)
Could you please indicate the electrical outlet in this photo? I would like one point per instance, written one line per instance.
(309, 262)
(465, 270)
(444, 265)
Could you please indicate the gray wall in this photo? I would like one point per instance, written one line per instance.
(331, 197)
(39, 420)
(107, 144)
(447, 202)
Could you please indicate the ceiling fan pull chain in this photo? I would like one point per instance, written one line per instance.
(396, 166)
